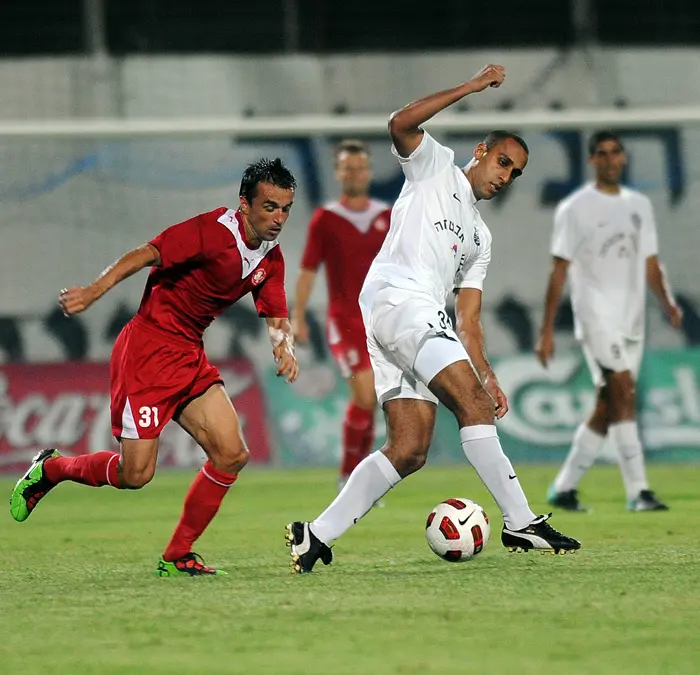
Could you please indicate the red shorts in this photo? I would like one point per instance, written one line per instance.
(348, 344)
(153, 375)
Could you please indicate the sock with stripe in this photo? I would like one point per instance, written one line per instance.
(201, 504)
(95, 470)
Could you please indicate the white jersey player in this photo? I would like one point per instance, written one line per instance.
(437, 245)
(605, 238)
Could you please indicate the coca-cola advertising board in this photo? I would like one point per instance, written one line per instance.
(66, 406)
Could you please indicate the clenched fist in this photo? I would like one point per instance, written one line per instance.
(76, 299)
(488, 76)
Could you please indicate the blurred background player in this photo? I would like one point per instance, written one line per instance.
(159, 370)
(345, 236)
(605, 240)
(438, 246)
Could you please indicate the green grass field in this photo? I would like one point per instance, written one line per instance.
(78, 593)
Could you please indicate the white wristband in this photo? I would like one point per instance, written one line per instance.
(278, 336)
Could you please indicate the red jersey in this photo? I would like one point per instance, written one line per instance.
(347, 242)
(205, 267)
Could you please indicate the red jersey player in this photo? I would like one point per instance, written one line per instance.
(159, 370)
(345, 236)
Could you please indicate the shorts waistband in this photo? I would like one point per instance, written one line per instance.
(168, 336)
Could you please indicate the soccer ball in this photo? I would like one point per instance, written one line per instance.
(457, 529)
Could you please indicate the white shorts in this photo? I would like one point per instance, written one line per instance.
(608, 350)
(410, 340)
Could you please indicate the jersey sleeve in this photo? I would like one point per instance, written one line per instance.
(426, 161)
(474, 275)
(190, 240)
(270, 297)
(314, 250)
(649, 237)
(564, 237)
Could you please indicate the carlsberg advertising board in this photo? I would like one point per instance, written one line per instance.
(545, 408)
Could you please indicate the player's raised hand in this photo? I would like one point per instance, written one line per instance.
(488, 76)
(287, 365)
(545, 348)
(75, 299)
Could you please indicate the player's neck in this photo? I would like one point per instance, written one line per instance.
(608, 188)
(252, 241)
(355, 202)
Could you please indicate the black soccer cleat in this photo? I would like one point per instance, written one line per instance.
(306, 548)
(646, 501)
(567, 500)
(539, 535)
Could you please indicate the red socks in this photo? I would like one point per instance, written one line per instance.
(358, 435)
(201, 504)
(96, 470)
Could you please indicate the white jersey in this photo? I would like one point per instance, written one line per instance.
(437, 241)
(607, 239)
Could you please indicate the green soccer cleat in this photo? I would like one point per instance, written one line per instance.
(31, 487)
(190, 565)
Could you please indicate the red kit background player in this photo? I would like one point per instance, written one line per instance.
(159, 370)
(345, 236)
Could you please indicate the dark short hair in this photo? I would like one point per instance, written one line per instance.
(351, 146)
(600, 137)
(499, 135)
(265, 171)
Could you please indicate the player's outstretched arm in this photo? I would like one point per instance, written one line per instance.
(404, 124)
(471, 333)
(282, 340)
(557, 278)
(78, 298)
(658, 282)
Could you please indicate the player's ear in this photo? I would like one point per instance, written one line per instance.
(480, 151)
(244, 204)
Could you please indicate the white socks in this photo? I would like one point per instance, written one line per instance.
(483, 450)
(373, 477)
(625, 435)
(585, 447)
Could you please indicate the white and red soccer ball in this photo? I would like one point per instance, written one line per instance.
(457, 529)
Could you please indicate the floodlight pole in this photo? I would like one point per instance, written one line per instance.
(290, 18)
(94, 28)
(585, 24)
(583, 19)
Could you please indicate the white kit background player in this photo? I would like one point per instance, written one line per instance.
(605, 239)
(437, 245)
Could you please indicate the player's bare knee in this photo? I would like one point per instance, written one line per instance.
(135, 477)
(408, 463)
(623, 398)
(408, 458)
(475, 408)
(231, 459)
(365, 400)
